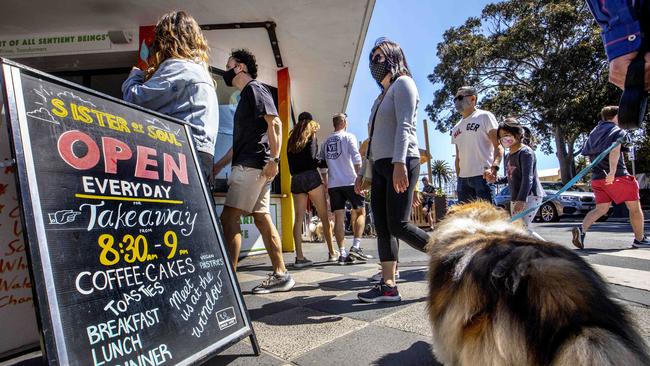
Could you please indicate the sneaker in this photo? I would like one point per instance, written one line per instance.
(359, 254)
(380, 293)
(643, 243)
(275, 283)
(333, 257)
(302, 263)
(378, 276)
(578, 237)
(346, 260)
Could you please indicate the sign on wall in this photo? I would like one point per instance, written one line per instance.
(53, 44)
(19, 330)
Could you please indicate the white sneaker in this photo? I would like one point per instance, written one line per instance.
(378, 276)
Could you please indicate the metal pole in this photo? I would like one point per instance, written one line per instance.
(426, 142)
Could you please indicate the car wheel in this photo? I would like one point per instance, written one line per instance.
(548, 213)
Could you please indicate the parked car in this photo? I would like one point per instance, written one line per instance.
(572, 202)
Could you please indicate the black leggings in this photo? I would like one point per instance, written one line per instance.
(392, 211)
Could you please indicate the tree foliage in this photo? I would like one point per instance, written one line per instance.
(441, 172)
(541, 61)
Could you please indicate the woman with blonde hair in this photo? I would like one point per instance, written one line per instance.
(177, 82)
(306, 183)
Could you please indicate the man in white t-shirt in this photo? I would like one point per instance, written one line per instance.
(341, 152)
(478, 152)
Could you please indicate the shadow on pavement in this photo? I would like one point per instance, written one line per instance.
(418, 354)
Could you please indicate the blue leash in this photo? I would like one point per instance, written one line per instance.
(571, 182)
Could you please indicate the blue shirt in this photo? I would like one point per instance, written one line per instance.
(600, 138)
(621, 24)
(182, 89)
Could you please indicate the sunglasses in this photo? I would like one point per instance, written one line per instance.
(458, 98)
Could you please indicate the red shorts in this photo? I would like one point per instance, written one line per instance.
(624, 189)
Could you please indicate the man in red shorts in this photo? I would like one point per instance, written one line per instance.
(610, 179)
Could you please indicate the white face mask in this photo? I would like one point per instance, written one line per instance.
(507, 141)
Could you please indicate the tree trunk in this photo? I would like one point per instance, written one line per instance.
(564, 155)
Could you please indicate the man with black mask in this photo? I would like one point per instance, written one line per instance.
(478, 153)
(255, 155)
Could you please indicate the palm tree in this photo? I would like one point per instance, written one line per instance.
(441, 172)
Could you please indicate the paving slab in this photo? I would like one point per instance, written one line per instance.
(372, 345)
(351, 268)
(241, 354)
(641, 315)
(294, 332)
(311, 275)
(349, 305)
(303, 294)
(413, 319)
(259, 306)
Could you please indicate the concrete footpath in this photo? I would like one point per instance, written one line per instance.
(321, 321)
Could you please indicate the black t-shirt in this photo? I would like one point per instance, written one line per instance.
(250, 145)
(428, 189)
(305, 159)
(600, 138)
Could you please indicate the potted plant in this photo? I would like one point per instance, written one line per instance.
(440, 204)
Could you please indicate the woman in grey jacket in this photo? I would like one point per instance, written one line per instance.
(396, 157)
(177, 82)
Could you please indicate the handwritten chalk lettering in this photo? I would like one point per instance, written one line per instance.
(114, 350)
(178, 299)
(154, 357)
(121, 188)
(205, 281)
(13, 300)
(167, 270)
(212, 263)
(113, 151)
(212, 295)
(119, 327)
(17, 282)
(122, 305)
(87, 282)
(152, 290)
(124, 218)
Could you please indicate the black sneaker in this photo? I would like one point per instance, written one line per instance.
(346, 260)
(302, 263)
(275, 283)
(380, 293)
(643, 243)
(359, 254)
(578, 237)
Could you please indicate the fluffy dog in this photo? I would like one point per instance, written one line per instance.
(499, 297)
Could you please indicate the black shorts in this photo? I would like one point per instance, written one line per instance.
(304, 182)
(339, 195)
(206, 162)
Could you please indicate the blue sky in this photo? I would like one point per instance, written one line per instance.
(418, 27)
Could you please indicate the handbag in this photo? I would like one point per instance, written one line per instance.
(367, 165)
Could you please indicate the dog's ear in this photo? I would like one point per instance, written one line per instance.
(514, 267)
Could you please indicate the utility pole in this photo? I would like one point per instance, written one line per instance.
(426, 142)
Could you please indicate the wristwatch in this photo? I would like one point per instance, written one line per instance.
(275, 160)
(495, 168)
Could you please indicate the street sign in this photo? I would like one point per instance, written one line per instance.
(128, 261)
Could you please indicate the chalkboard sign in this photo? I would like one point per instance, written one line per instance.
(127, 258)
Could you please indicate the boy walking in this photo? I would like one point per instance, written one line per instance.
(610, 179)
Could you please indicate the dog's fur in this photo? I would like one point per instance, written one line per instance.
(320, 232)
(500, 297)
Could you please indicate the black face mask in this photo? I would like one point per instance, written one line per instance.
(379, 70)
(229, 76)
